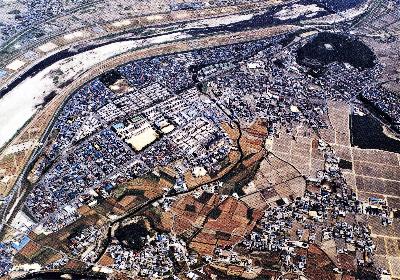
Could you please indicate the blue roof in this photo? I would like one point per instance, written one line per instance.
(21, 244)
(118, 125)
(109, 187)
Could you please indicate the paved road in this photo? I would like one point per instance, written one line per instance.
(21, 186)
(9, 209)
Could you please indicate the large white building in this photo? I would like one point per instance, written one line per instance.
(137, 132)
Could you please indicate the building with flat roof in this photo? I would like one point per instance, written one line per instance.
(137, 132)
